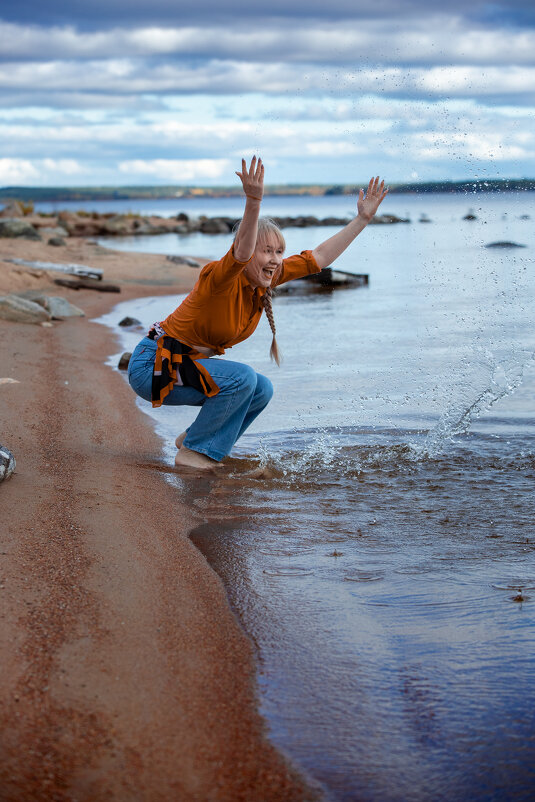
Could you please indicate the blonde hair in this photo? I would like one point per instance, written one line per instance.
(274, 350)
(268, 228)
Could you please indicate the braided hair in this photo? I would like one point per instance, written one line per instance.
(274, 350)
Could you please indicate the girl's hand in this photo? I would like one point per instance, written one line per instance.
(252, 179)
(375, 194)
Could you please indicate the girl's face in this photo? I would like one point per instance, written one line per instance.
(266, 261)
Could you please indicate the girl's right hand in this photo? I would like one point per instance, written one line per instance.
(252, 179)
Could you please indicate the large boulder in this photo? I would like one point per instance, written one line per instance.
(22, 310)
(12, 209)
(79, 225)
(214, 225)
(14, 227)
(7, 463)
(57, 307)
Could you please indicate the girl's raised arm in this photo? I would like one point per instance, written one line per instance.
(367, 205)
(253, 185)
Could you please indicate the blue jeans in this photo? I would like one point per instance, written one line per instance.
(242, 396)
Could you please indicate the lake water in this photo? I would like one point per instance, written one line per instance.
(386, 571)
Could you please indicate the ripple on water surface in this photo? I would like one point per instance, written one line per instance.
(382, 587)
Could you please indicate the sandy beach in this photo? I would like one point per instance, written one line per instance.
(125, 674)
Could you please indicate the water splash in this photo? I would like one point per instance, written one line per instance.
(501, 378)
(321, 452)
(484, 379)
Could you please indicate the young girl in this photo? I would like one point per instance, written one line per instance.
(175, 363)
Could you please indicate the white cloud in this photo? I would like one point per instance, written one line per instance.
(176, 169)
(17, 171)
(331, 149)
(64, 166)
(181, 103)
(38, 171)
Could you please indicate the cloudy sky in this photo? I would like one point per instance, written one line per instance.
(130, 92)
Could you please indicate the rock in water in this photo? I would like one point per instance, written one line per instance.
(124, 361)
(7, 463)
(20, 310)
(214, 225)
(14, 227)
(505, 244)
(129, 321)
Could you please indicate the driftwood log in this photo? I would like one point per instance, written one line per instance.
(72, 269)
(87, 284)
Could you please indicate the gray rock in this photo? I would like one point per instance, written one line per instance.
(57, 242)
(14, 227)
(505, 244)
(183, 260)
(7, 463)
(53, 231)
(193, 224)
(388, 219)
(124, 361)
(57, 307)
(21, 310)
(214, 225)
(129, 321)
(335, 221)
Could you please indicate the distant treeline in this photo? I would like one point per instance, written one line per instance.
(58, 194)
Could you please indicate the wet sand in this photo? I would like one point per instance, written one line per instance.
(125, 674)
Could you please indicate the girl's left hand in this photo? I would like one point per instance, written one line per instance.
(368, 204)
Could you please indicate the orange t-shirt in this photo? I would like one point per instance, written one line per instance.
(223, 309)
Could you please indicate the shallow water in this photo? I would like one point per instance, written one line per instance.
(385, 564)
(383, 589)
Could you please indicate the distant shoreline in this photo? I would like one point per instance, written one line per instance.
(170, 192)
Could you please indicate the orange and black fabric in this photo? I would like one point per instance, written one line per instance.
(171, 356)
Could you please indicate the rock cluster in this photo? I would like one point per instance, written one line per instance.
(34, 307)
(94, 224)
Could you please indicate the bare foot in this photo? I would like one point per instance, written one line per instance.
(186, 458)
(180, 439)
